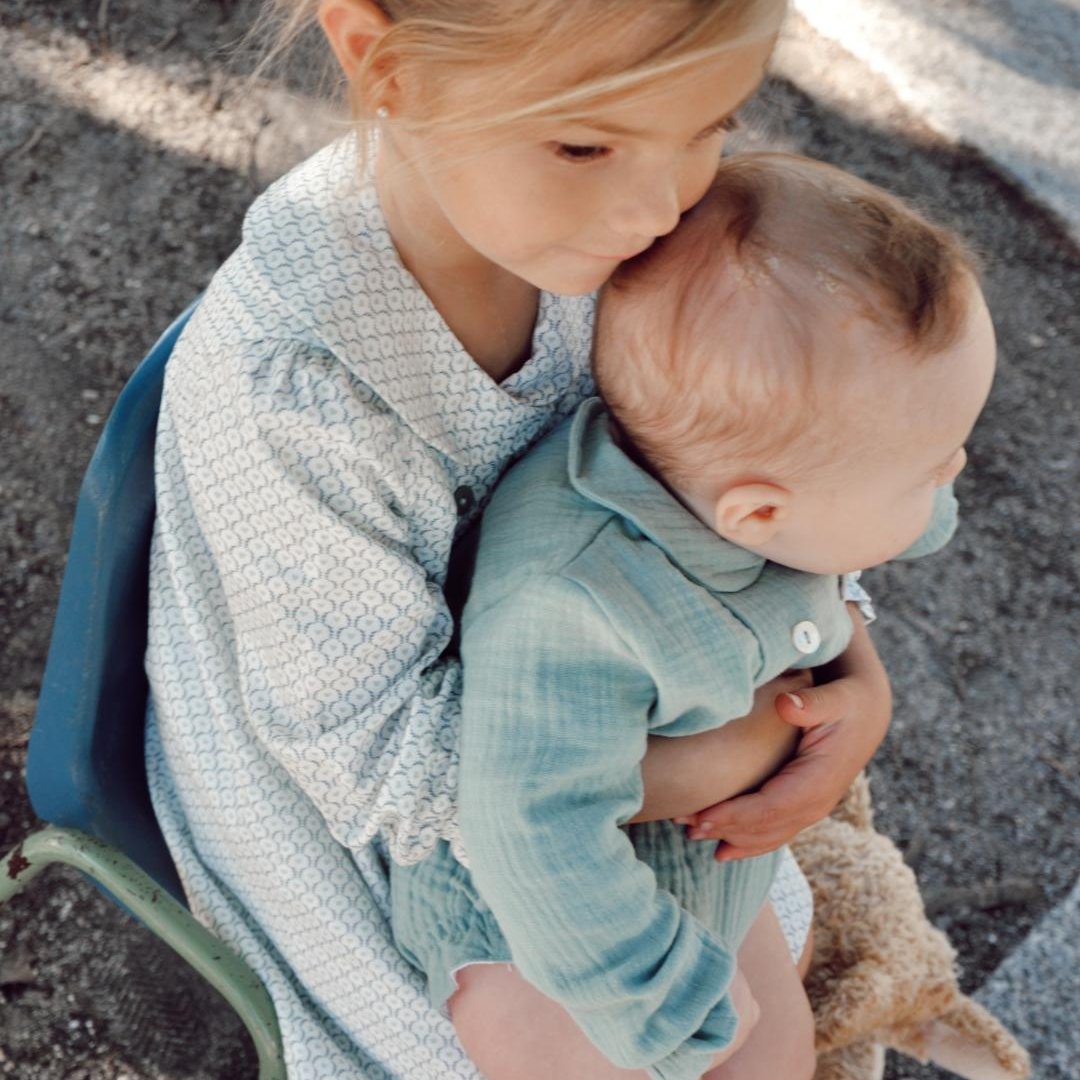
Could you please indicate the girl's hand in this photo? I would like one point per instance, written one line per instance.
(844, 718)
(682, 775)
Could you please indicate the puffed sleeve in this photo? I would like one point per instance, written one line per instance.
(555, 720)
(315, 533)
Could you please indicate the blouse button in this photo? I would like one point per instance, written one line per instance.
(464, 499)
(806, 637)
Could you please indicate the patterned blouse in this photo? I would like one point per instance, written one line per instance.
(323, 440)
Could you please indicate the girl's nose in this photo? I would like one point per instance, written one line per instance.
(650, 209)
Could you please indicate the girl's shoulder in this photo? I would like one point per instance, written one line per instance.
(315, 273)
(318, 222)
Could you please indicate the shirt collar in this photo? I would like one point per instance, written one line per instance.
(602, 472)
(319, 239)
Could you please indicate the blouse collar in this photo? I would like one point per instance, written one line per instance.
(319, 239)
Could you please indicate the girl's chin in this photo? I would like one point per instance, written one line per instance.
(573, 283)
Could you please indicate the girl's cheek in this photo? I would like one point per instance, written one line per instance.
(700, 173)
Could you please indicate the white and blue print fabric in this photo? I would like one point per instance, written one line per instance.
(323, 441)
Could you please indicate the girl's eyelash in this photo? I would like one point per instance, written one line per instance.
(579, 154)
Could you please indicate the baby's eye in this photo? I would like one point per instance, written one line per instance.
(578, 154)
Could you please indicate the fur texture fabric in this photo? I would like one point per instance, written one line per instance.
(882, 975)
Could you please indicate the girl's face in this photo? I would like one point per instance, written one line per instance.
(562, 207)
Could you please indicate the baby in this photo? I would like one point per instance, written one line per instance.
(787, 384)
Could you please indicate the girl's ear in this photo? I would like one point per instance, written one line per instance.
(750, 515)
(351, 26)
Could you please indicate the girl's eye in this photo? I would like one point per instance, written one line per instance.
(579, 154)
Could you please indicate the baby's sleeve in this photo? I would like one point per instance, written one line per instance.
(298, 532)
(554, 728)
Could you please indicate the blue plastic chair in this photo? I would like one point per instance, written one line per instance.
(85, 769)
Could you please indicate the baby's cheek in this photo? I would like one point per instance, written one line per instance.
(910, 525)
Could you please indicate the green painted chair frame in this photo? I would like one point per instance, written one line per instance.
(86, 775)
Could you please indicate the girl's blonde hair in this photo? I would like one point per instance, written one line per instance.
(518, 48)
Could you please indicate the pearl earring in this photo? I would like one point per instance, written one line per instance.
(382, 113)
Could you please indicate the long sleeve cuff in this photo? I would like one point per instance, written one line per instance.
(693, 1058)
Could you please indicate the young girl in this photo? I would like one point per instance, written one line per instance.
(402, 319)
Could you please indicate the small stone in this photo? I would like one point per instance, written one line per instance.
(93, 419)
(90, 395)
(1036, 341)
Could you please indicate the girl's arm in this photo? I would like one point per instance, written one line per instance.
(336, 630)
(844, 718)
(699, 770)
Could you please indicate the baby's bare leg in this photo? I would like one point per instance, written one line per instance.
(513, 1032)
(782, 1042)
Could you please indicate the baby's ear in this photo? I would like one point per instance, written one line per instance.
(751, 514)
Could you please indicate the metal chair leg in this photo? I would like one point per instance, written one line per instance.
(173, 923)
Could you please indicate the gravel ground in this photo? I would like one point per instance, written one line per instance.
(128, 156)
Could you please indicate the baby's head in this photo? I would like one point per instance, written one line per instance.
(801, 362)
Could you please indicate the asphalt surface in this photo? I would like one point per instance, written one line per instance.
(128, 154)
(1002, 76)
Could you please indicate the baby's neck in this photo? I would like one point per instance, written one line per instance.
(626, 444)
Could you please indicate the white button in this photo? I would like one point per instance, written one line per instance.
(806, 637)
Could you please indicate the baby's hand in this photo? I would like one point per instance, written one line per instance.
(845, 720)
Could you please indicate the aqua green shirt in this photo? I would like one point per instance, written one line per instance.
(601, 612)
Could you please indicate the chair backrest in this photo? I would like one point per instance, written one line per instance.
(85, 766)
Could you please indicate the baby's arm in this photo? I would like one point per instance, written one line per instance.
(554, 718)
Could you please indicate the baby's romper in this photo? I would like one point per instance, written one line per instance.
(601, 612)
(323, 440)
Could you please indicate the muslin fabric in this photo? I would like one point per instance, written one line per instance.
(323, 441)
(603, 611)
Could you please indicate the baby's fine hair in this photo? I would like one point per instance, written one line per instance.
(505, 59)
(721, 339)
